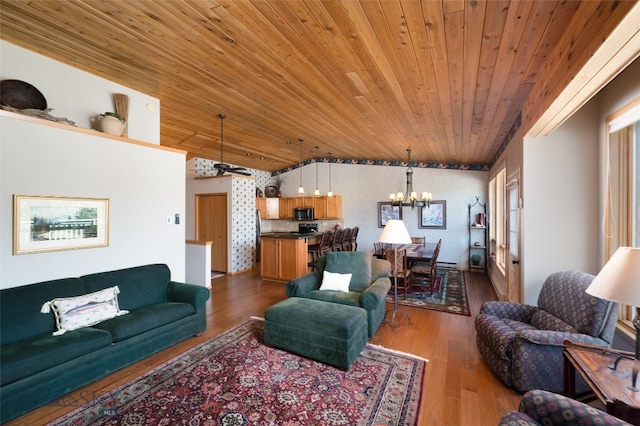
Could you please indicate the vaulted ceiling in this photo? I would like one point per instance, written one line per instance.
(358, 79)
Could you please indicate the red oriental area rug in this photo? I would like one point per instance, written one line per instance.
(235, 379)
(449, 294)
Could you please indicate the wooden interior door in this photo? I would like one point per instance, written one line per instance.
(211, 225)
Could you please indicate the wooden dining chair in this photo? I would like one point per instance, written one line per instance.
(399, 264)
(423, 274)
(419, 240)
(346, 239)
(336, 244)
(354, 238)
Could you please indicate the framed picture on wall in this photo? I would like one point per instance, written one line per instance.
(43, 223)
(434, 216)
(387, 211)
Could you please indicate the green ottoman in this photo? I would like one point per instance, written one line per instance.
(327, 332)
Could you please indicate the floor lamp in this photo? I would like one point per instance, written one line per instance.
(395, 233)
(619, 281)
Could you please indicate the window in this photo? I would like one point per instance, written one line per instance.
(622, 188)
(497, 232)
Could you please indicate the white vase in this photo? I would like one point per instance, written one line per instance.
(111, 125)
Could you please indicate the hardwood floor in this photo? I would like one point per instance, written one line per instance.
(459, 388)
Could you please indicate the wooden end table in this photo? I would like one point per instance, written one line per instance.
(608, 385)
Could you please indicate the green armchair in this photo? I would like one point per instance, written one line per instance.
(367, 289)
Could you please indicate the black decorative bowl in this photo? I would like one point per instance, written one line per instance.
(21, 95)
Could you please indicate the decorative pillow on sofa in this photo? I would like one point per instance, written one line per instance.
(83, 311)
(336, 282)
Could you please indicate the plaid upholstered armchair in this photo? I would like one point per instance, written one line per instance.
(522, 344)
(540, 407)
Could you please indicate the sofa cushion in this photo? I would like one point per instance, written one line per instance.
(139, 286)
(143, 319)
(20, 308)
(356, 263)
(30, 356)
(82, 311)
(351, 298)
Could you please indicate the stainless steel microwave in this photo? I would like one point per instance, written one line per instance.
(303, 213)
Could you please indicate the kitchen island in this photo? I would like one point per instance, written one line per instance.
(284, 255)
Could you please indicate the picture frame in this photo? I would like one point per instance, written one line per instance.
(52, 223)
(387, 211)
(434, 216)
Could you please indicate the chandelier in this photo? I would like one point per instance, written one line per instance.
(410, 197)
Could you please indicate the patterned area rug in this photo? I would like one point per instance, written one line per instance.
(449, 294)
(235, 379)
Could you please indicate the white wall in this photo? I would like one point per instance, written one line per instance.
(363, 186)
(77, 95)
(560, 195)
(144, 185)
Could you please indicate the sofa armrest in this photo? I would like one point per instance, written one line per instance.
(514, 311)
(303, 284)
(375, 293)
(188, 293)
(557, 338)
(380, 268)
(550, 408)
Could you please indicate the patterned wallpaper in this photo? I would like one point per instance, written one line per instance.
(242, 249)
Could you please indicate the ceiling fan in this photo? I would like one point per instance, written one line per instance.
(221, 167)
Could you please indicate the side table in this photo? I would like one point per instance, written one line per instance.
(608, 385)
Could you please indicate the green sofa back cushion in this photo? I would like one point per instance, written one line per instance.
(139, 286)
(20, 308)
(353, 262)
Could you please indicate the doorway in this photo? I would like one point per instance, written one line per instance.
(211, 225)
(514, 286)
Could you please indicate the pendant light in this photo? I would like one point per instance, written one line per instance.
(316, 193)
(300, 188)
(410, 197)
(330, 193)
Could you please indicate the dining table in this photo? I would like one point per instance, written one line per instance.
(423, 254)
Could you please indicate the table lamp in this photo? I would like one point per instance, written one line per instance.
(395, 233)
(619, 281)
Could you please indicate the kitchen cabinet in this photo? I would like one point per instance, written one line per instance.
(269, 207)
(283, 259)
(324, 207)
(286, 208)
(333, 207)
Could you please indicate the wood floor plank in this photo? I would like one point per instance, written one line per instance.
(459, 389)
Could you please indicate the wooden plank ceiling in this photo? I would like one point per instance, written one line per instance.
(358, 79)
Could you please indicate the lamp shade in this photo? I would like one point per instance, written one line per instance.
(395, 232)
(619, 280)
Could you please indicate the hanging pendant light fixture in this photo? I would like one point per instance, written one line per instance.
(316, 193)
(300, 188)
(330, 193)
(410, 197)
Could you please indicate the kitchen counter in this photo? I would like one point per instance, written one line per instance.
(285, 255)
(293, 235)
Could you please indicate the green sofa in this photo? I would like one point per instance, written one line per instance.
(37, 367)
(367, 289)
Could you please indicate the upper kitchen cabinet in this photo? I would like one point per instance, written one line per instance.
(269, 207)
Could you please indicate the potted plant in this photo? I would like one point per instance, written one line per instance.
(112, 123)
(475, 259)
(279, 180)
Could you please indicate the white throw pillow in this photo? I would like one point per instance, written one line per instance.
(83, 311)
(336, 282)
